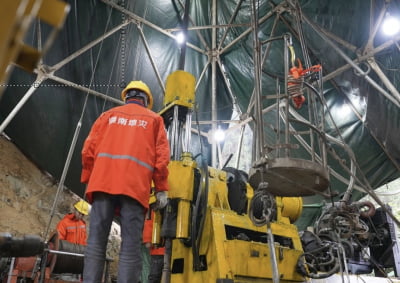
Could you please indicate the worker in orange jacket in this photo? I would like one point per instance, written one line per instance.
(156, 253)
(125, 150)
(72, 227)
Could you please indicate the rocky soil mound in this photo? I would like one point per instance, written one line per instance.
(27, 196)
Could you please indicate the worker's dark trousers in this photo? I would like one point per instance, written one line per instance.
(156, 268)
(132, 220)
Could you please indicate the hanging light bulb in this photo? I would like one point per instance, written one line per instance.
(390, 25)
(219, 135)
(180, 38)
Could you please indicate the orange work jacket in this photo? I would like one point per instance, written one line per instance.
(147, 231)
(72, 230)
(125, 150)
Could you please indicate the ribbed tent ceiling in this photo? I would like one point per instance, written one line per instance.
(105, 44)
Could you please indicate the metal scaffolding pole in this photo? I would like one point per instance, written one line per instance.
(214, 83)
(149, 24)
(39, 79)
(394, 100)
(259, 150)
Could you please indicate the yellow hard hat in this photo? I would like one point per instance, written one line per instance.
(139, 85)
(82, 206)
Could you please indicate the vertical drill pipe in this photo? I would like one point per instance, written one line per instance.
(274, 263)
(188, 133)
(286, 67)
(170, 138)
(166, 272)
(259, 151)
(174, 135)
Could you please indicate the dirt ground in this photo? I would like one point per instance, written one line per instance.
(27, 196)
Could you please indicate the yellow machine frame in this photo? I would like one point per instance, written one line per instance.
(228, 258)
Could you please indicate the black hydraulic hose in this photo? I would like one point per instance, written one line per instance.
(257, 199)
(227, 161)
(203, 184)
(315, 275)
(199, 216)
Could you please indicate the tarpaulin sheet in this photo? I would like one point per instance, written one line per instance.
(45, 126)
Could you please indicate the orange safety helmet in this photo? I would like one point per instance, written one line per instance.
(139, 85)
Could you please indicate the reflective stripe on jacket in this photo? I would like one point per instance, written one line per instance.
(125, 150)
(72, 230)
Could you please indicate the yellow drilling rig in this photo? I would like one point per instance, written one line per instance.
(216, 227)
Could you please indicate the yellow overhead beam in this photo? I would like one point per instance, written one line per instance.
(16, 17)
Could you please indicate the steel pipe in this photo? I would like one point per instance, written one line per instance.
(28, 245)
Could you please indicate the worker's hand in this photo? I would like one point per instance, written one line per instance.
(161, 200)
